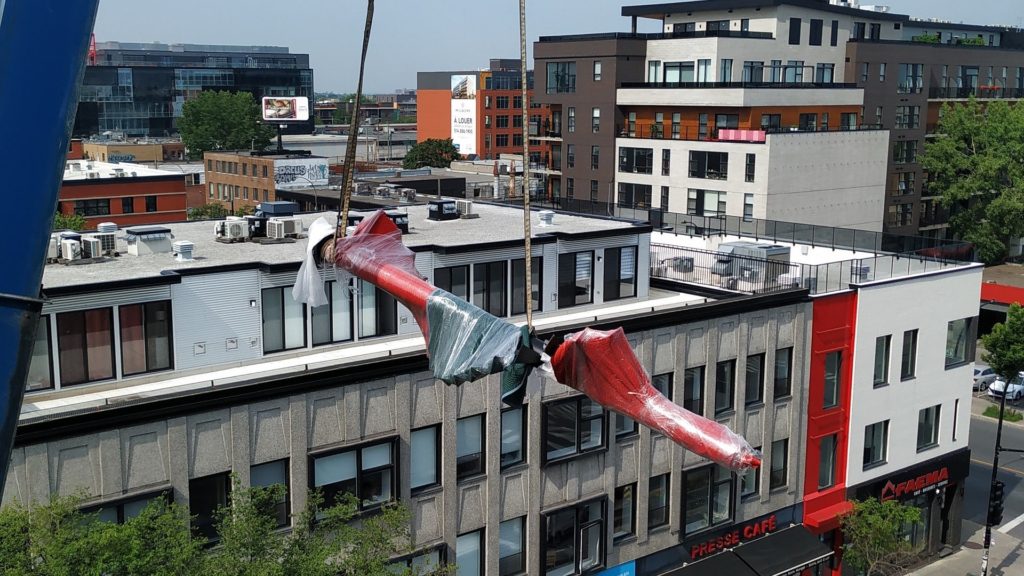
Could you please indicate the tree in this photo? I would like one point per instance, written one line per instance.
(219, 120)
(1004, 345)
(873, 533)
(63, 221)
(211, 211)
(432, 152)
(974, 164)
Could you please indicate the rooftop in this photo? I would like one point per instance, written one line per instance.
(496, 225)
(1005, 274)
(658, 11)
(81, 170)
(161, 47)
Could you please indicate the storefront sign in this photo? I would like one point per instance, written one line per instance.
(914, 486)
(740, 533)
(915, 480)
(627, 569)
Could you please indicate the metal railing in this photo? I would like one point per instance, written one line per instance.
(977, 92)
(666, 131)
(773, 85)
(658, 35)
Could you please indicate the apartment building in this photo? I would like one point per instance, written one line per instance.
(125, 194)
(243, 179)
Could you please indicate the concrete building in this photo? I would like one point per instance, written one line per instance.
(134, 151)
(125, 194)
(244, 178)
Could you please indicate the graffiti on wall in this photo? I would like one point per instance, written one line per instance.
(301, 172)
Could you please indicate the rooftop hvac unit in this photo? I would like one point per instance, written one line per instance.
(465, 209)
(53, 249)
(292, 226)
(182, 250)
(275, 228)
(92, 247)
(237, 229)
(547, 217)
(70, 249)
(107, 242)
(283, 227)
(106, 227)
(92, 175)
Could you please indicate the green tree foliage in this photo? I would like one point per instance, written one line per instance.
(873, 534)
(211, 211)
(68, 222)
(975, 165)
(433, 152)
(219, 120)
(1004, 345)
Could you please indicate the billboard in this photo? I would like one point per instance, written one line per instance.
(300, 172)
(464, 113)
(285, 109)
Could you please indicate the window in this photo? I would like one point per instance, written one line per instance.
(816, 29)
(501, 102)
(513, 426)
(705, 202)
(574, 539)
(676, 120)
(794, 71)
(859, 30)
(779, 475)
(517, 103)
(145, 337)
(469, 447)
(333, 322)
(367, 472)
(808, 122)
(875, 31)
(693, 390)
(824, 73)
(908, 116)
(501, 140)
(264, 170)
(904, 152)
(750, 481)
(454, 279)
(725, 70)
(827, 461)
(702, 126)
(284, 320)
(624, 514)
(575, 279)
(707, 494)
(92, 207)
(666, 162)
(794, 31)
(512, 546)
(85, 346)
(881, 373)
(710, 165)
(636, 160)
(751, 166)
(597, 70)
(489, 281)
(634, 195)
(570, 155)
(593, 190)
(122, 511)
(754, 382)
(425, 456)
(206, 495)
(911, 79)
(517, 121)
(865, 71)
(908, 361)
(561, 77)
(704, 70)
(271, 474)
(676, 72)
(959, 336)
(40, 370)
(664, 198)
(378, 311)
(783, 372)
(501, 121)
(654, 71)
(487, 101)
(876, 440)
(624, 426)
(881, 72)
(928, 428)
(595, 157)
(753, 71)
(771, 122)
(572, 119)
(469, 554)
(128, 204)
(725, 386)
(595, 122)
(847, 120)
(834, 40)
(519, 280)
(833, 364)
(726, 121)
(571, 427)
(657, 501)
(748, 207)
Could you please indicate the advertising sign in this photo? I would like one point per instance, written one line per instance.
(464, 113)
(300, 172)
(285, 109)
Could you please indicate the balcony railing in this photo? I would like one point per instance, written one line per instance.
(983, 92)
(665, 131)
(658, 35)
(778, 85)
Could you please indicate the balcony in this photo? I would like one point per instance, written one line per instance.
(739, 94)
(658, 36)
(979, 92)
(664, 131)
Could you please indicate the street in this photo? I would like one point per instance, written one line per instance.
(1011, 471)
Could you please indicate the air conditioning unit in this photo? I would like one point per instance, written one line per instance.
(276, 228)
(232, 229)
(92, 247)
(465, 208)
(107, 242)
(292, 226)
(53, 249)
(92, 175)
(70, 249)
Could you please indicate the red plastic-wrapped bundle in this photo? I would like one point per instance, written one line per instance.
(602, 365)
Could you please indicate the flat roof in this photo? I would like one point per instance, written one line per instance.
(495, 225)
(658, 11)
(1005, 274)
(80, 170)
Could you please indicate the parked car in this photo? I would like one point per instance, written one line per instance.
(983, 376)
(1015, 391)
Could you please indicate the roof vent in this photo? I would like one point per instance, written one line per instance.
(92, 175)
(106, 227)
(547, 218)
(183, 250)
(148, 240)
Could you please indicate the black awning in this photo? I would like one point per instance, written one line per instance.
(721, 564)
(783, 553)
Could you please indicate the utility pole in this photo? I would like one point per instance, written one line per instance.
(995, 492)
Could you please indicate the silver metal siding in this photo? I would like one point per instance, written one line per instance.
(271, 280)
(106, 298)
(216, 310)
(566, 246)
(445, 260)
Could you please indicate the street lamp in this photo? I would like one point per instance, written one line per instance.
(316, 195)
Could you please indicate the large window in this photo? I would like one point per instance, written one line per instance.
(833, 366)
(469, 447)
(367, 472)
(876, 441)
(816, 29)
(904, 152)
(928, 427)
(206, 495)
(666, 161)
(624, 514)
(574, 539)
(519, 283)
(272, 474)
(512, 547)
(705, 202)
(908, 360)
(908, 116)
(881, 371)
(469, 554)
(145, 337)
(959, 338)
(693, 390)
(454, 279)
(707, 494)
(121, 511)
(779, 475)
(595, 160)
(40, 370)
(754, 383)
(794, 31)
(85, 345)
(333, 321)
(750, 481)
(489, 281)
(425, 455)
(513, 429)
(571, 427)
(725, 386)
(636, 160)
(284, 320)
(595, 120)
(634, 195)
(561, 77)
(911, 78)
(92, 207)
(575, 279)
(657, 501)
(619, 273)
(378, 311)
(827, 461)
(710, 165)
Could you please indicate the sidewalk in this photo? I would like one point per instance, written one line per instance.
(1005, 557)
(980, 402)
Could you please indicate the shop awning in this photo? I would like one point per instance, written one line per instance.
(827, 518)
(721, 564)
(784, 553)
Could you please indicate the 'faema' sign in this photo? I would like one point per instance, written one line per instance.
(464, 113)
(913, 481)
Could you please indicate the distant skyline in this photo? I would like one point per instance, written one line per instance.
(411, 36)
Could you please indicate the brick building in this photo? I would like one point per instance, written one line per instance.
(244, 179)
(126, 194)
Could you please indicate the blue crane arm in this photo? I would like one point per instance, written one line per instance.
(43, 46)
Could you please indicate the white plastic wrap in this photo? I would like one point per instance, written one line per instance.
(309, 287)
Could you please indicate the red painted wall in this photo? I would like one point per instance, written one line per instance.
(169, 192)
(1001, 293)
(433, 114)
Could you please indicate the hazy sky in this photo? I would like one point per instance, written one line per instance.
(416, 35)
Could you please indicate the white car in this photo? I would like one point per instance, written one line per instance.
(983, 376)
(1015, 391)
